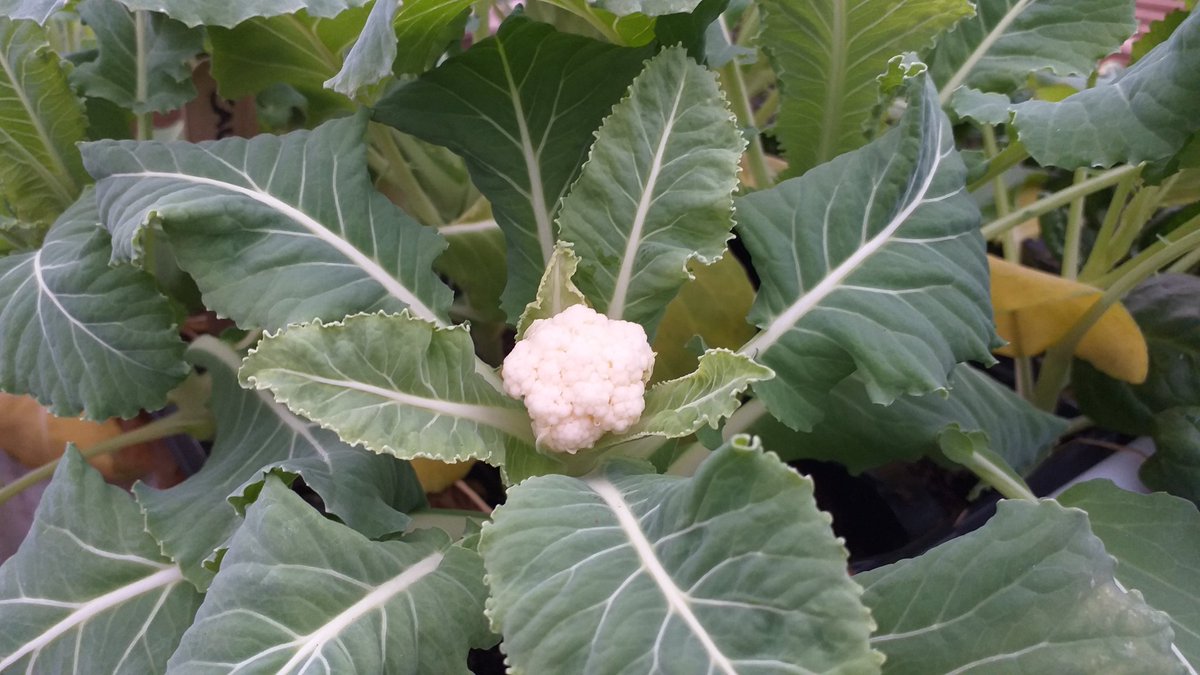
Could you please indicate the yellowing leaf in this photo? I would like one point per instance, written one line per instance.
(714, 306)
(1034, 311)
(436, 476)
(34, 437)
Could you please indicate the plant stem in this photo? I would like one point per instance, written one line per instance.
(756, 161)
(990, 39)
(1062, 197)
(145, 120)
(770, 104)
(1056, 366)
(1013, 154)
(1012, 250)
(996, 477)
(1098, 262)
(176, 423)
(1186, 263)
(1074, 236)
(1181, 233)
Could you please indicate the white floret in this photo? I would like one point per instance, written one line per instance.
(581, 375)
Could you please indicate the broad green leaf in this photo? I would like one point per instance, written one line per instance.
(871, 264)
(656, 190)
(731, 571)
(984, 108)
(88, 590)
(520, 108)
(649, 7)
(393, 383)
(81, 336)
(680, 407)
(556, 291)
(1156, 34)
(40, 122)
(1166, 310)
(702, 33)
(299, 593)
(166, 49)
(1031, 592)
(34, 10)
(300, 50)
(1175, 465)
(423, 28)
(863, 435)
(712, 307)
(229, 13)
(1156, 541)
(255, 435)
(828, 56)
(274, 229)
(1142, 116)
(1006, 40)
(584, 18)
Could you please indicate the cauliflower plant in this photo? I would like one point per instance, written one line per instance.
(581, 375)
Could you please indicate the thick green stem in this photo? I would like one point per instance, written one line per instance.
(999, 480)
(770, 105)
(145, 120)
(990, 39)
(176, 423)
(1013, 154)
(1074, 237)
(1186, 263)
(1056, 365)
(1098, 262)
(1058, 199)
(1169, 242)
(735, 86)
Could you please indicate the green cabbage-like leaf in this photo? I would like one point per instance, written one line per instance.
(229, 13)
(274, 229)
(40, 122)
(828, 56)
(255, 435)
(520, 108)
(1175, 465)
(81, 336)
(299, 593)
(871, 264)
(167, 47)
(731, 571)
(88, 591)
(1032, 591)
(656, 190)
(1155, 539)
(1009, 39)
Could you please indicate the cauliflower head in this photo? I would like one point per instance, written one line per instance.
(581, 375)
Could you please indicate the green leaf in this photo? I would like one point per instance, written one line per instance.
(395, 384)
(1157, 34)
(862, 435)
(1166, 310)
(1032, 591)
(255, 435)
(680, 407)
(649, 7)
(35, 10)
(274, 229)
(1156, 541)
(983, 108)
(474, 262)
(423, 28)
(1142, 116)
(298, 593)
(1007, 40)
(299, 50)
(731, 571)
(88, 590)
(81, 336)
(40, 122)
(583, 18)
(556, 291)
(1175, 465)
(871, 264)
(167, 48)
(702, 34)
(828, 56)
(520, 108)
(229, 14)
(656, 191)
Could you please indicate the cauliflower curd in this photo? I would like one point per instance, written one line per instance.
(581, 375)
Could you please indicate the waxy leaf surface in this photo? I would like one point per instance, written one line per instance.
(656, 191)
(731, 571)
(88, 591)
(871, 264)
